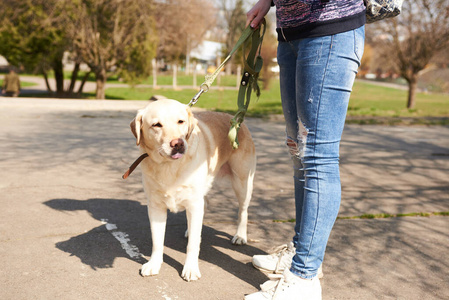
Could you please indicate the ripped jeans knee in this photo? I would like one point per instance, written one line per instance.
(297, 146)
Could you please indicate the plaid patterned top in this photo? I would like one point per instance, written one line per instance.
(311, 18)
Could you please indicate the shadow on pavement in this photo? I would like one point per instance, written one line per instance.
(99, 249)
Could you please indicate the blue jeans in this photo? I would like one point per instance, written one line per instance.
(316, 76)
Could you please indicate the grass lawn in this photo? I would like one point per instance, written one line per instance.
(187, 80)
(215, 99)
(162, 79)
(367, 101)
(22, 83)
(372, 100)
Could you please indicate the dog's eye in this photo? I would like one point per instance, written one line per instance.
(157, 124)
(181, 122)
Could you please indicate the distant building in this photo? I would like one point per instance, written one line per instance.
(206, 54)
(207, 51)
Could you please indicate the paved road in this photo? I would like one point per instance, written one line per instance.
(71, 228)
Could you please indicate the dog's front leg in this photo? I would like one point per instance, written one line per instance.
(158, 220)
(195, 215)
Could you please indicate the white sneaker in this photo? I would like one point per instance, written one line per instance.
(279, 260)
(288, 287)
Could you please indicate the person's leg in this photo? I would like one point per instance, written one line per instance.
(316, 80)
(281, 259)
(287, 59)
(325, 72)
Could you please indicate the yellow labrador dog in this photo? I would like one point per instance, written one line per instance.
(185, 154)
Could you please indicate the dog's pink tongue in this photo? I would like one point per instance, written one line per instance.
(176, 156)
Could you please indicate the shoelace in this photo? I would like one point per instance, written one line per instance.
(280, 251)
(274, 286)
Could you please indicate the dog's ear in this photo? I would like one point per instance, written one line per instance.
(192, 122)
(136, 126)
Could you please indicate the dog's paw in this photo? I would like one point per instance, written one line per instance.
(238, 240)
(151, 268)
(191, 272)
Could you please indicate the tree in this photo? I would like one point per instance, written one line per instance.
(414, 38)
(32, 36)
(233, 24)
(268, 53)
(181, 26)
(112, 35)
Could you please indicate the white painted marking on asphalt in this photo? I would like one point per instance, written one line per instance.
(110, 226)
(162, 291)
(122, 237)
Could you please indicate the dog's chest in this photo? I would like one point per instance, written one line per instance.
(176, 199)
(178, 193)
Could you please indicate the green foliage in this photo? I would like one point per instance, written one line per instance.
(136, 66)
(235, 18)
(113, 35)
(104, 34)
(29, 36)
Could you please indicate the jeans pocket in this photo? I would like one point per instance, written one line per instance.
(359, 42)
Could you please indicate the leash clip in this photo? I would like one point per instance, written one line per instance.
(203, 89)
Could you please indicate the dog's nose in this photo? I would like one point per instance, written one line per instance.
(177, 144)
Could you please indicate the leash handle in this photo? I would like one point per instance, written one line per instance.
(252, 67)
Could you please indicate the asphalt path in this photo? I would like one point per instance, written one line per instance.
(71, 228)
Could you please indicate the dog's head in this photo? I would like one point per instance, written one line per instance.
(164, 126)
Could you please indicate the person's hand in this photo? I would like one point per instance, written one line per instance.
(256, 14)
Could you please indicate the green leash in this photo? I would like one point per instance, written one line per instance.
(252, 66)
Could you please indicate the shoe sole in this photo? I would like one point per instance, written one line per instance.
(266, 271)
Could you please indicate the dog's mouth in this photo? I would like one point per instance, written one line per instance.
(173, 154)
(178, 148)
(177, 155)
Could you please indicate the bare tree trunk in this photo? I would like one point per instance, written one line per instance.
(59, 76)
(46, 82)
(75, 72)
(101, 84)
(83, 81)
(412, 86)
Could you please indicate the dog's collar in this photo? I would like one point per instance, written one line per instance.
(134, 165)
